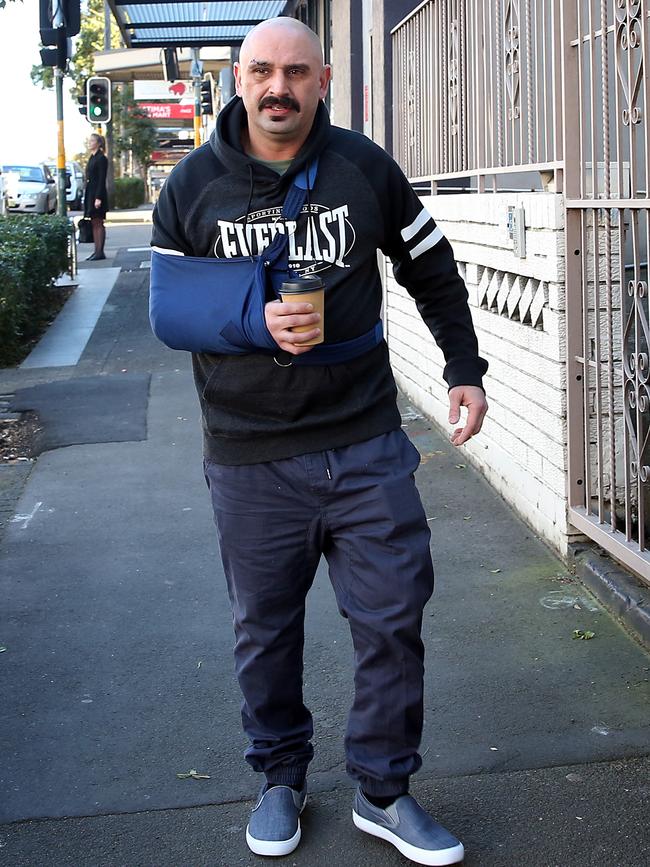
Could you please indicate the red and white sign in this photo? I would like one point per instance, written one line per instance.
(181, 90)
(169, 157)
(167, 110)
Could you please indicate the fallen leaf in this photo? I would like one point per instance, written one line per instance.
(460, 466)
(200, 663)
(467, 517)
(193, 775)
(494, 749)
(2, 649)
(583, 634)
(495, 571)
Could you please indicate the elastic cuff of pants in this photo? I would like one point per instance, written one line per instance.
(384, 788)
(293, 775)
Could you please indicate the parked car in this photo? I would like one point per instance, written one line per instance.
(30, 189)
(75, 183)
(3, 194)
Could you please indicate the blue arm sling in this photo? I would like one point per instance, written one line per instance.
(214, 305)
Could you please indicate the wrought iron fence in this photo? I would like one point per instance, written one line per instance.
(607, 204)
(480, 84)
(491, 87)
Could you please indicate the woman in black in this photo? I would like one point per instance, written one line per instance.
(95, 199)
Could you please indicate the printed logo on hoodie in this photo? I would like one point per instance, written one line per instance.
(319, 239)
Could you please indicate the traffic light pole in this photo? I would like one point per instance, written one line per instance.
(197, 73)
(61, 207)
(59, 69)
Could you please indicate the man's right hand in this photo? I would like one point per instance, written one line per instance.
(281, 317)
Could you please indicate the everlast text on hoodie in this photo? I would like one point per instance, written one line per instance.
(220, 202)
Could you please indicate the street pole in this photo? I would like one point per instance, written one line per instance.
(110, 175)
(61, 207)
(197, 72)
(59, 70)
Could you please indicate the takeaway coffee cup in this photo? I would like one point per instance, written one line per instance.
(307, 290)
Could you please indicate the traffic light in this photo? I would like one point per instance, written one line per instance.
(82, 102)
(98, 96)
(206, 95)
(64, 13)
(48, 57)
(58, 56)
(170, 64)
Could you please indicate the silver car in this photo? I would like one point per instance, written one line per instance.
(30, 189)
(75, 184)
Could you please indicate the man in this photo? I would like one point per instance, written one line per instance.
(308, 460)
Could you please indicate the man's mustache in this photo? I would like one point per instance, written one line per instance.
(280, 101)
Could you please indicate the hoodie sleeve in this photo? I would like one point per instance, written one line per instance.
(168, 231)
(423, 262)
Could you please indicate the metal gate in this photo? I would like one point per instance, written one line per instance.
(560, 88)
(606, 172)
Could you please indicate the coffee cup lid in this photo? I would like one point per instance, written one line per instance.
(298, 285)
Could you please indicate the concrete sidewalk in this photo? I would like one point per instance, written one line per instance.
(118, 669)
(141, 214)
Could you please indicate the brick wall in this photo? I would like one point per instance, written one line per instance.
(519, 315)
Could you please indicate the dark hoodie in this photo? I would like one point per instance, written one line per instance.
(220, 202)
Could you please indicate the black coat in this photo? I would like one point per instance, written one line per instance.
(96, 186)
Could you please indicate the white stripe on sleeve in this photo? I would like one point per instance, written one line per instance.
(411, 231)
(429, 242)
(167, 252)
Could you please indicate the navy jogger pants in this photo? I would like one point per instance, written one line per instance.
(359, 507)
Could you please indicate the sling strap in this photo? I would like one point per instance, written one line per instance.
(204, 304)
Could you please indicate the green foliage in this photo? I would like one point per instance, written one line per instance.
(33, 252)
(42, 76)
(134, 130)
(129, 192)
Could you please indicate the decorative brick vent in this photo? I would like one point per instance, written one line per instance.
(519, 298)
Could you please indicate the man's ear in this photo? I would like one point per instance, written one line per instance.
(325, 78)
(237, 72)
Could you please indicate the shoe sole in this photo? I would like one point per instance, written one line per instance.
(439, 858)
(275, 848)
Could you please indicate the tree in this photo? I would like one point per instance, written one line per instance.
(135, 131)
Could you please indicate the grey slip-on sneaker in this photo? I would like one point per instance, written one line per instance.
(410, 829)
(274, 826)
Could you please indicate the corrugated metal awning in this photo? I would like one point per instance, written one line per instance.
(190, 23)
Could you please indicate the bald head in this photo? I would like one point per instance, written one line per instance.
(281, 78)
(279, 28)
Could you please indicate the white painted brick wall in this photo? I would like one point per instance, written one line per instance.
(522, 448)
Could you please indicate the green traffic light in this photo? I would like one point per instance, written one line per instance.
(97, 110)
